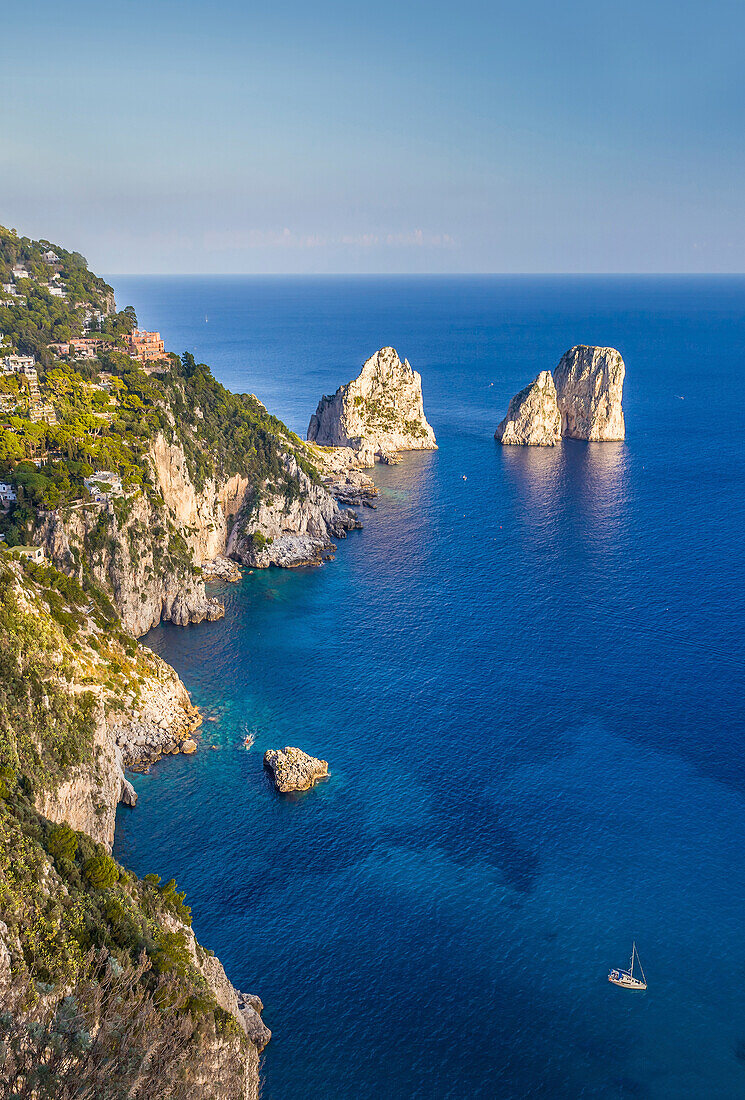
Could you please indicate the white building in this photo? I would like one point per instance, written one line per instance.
(20, 272)
(57, 292)
(18, 364)
(32, 553)
(7, 493)
(8, 288)
(103, 483)
(50, 257)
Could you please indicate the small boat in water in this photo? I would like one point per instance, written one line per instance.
(626, 978)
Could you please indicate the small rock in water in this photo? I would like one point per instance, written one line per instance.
(293, 769)
(128, 794)
(188, 746)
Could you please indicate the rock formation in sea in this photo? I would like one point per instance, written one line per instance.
(533, 418)
(294, 770)
(583, 400)
(377, 414)
(589, 392)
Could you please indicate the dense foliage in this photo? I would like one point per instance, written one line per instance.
(109, 410)
(38, 318)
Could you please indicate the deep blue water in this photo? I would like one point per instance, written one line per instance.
(528, 684)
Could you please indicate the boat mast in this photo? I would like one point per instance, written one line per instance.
(633, 952)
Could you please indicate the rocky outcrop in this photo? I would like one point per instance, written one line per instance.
(290, 529)
(589, 391)
(133, 551)
(380, 412)
(221, 569)
(250, 1007)
(159, 721)
(533, 418)
(342, 473)
(583, 400)
(143, 548)
(294, 770)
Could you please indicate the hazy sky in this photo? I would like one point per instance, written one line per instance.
(389, 135)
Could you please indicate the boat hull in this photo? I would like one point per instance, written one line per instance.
(620, 977)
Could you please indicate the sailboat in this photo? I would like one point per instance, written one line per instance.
(626, 977)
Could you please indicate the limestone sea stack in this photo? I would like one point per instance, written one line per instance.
(533, 418)
(378, 414)
(294, 770)
(589, 392)
(583, 400)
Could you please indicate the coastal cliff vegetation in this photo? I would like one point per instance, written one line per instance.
(79, 934)
(117, 478)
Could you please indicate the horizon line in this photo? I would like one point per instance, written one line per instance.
(424, 274)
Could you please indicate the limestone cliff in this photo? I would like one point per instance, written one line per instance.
(132, 550)
(290, 524)
(137, 707)
(144, 549)
(533, 417)
(583, 400)
(379, 413)
(589, 391)
(79, 699)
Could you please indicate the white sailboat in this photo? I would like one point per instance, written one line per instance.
(626, 978)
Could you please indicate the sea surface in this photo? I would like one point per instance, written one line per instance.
(526, 673)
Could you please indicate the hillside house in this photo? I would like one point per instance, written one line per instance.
(145, 346)
(31, 553)
(18, 364)
(8, 494)
(103, 484)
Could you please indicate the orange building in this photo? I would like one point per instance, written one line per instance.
(145, 346)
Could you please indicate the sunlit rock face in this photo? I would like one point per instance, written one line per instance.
(583, 400)
(589, 392)
(533, 418)
(379, 413)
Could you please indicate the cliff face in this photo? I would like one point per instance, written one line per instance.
(142, 548)
(138, 706)
(134, 552)
(589, 390)
(80, 699)
(277, 528)
(379, 413)
(581, 401)
(533, 417)
(88, 799)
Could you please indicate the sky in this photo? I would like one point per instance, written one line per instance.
(388, 136)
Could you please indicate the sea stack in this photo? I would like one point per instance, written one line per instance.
(378, 414)
(294, 770)
(589, 391)
(583, 400)
(533, 418)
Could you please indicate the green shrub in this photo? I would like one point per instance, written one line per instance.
(101, 871)
(62, 842)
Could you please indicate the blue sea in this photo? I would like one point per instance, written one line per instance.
(526, 673)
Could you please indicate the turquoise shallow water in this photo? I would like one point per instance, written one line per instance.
(529, 687)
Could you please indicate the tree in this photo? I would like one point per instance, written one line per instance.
(101, 871)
